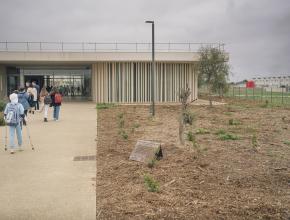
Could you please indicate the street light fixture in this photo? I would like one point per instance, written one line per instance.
(152, 69)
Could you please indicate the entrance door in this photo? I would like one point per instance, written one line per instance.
(38, 79)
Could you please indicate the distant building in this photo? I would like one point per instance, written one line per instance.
(272, 81)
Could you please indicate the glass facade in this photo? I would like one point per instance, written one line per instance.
(71, 81)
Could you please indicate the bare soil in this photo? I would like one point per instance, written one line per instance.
(216, 179)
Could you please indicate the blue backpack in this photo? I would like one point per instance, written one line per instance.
(13, 114)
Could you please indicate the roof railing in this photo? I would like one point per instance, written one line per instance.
(103, 47)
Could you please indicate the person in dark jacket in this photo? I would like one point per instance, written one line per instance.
(23, 98)
(56, 100)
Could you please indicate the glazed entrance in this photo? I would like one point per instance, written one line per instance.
(73, 82)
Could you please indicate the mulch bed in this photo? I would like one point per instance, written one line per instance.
(215, 180)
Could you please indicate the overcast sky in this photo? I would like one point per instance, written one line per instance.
(256, 32)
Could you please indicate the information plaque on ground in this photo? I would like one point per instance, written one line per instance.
(146, 151)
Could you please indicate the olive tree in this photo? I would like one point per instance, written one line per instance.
(213, 70)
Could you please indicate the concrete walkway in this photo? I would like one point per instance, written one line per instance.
(47, 183)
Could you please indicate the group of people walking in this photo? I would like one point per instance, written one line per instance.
(29, 99)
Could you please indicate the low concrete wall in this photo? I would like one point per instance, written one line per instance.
(27, 57)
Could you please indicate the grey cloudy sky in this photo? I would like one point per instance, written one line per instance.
(256, 32)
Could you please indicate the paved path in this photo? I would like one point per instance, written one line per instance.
(47, 183)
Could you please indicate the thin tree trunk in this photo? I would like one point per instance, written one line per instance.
(181, 129)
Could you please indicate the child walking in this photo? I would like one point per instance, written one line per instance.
(14, 114)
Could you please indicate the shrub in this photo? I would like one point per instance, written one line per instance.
(2, 105)
(202, 131)
(105, 105)
(2, 121)
(151, 184)
(287, 142)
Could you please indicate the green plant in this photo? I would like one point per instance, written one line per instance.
(105, 105)
(151, 184)
(265, 105)
(228, 136)
(254, 142)
(220, 132)
(2, 121)
(287, 142)
(120, 115)
(202, 131)
(123, 134)
(2, 105)
(234, 122)
(135, 125)
(190, 136)
(188, 117)
(121, 123)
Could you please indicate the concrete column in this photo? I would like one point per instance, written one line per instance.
(94, 83)
(3, 82)
(22, 83)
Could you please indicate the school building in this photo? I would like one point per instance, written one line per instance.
(102, 72)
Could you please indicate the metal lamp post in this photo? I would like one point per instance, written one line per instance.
(152, 69)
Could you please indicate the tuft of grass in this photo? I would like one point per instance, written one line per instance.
(190, 136)
(121, 123)
(135, 125)
(202, 131)
(123, 134)
(105, 105)
(151, 184)
(265, 105)
(228, 136)
(120, 115)
(287, 142)
(234, 122)
(220, 132)
(254, 142)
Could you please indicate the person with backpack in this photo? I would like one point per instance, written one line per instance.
(13, 115)
(23, 99)
(56, 99)
(45, 99)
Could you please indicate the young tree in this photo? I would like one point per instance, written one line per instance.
(186, 117)
(213, 70)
